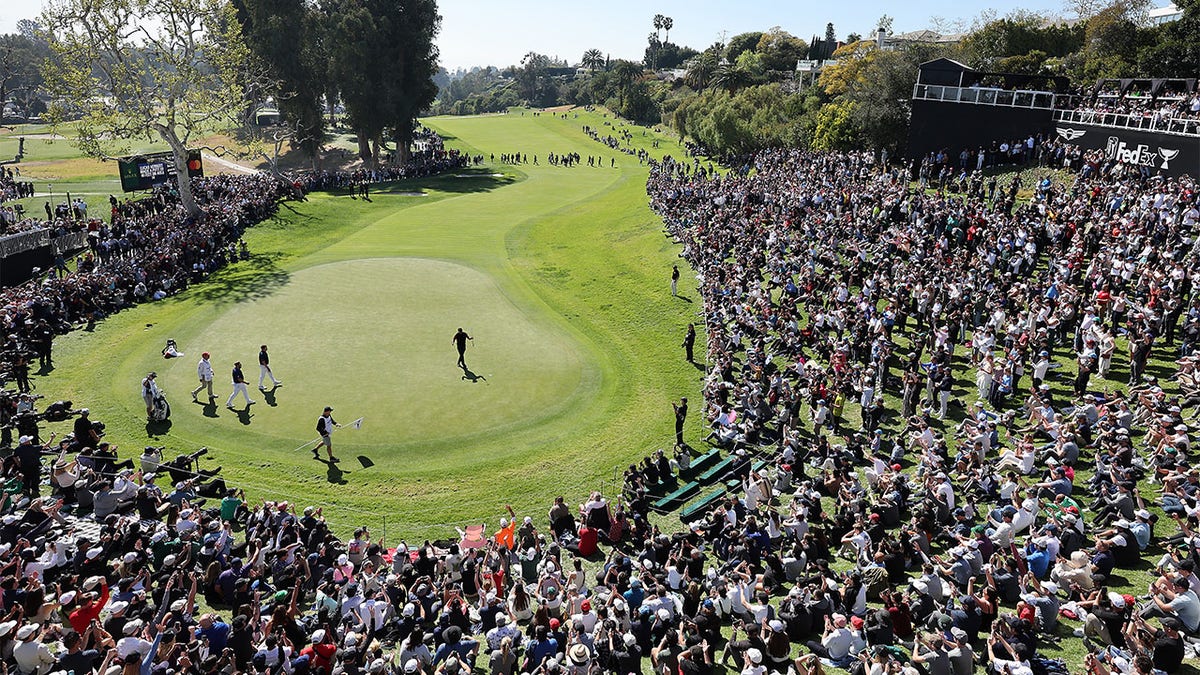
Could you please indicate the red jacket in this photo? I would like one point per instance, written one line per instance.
(85, 614)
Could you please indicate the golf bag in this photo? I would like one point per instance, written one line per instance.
(161, 410)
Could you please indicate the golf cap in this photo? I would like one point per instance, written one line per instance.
(328, 409)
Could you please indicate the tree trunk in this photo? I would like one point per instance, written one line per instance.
(182, 181)
(364, 148)
(375, 156)
(403, 138)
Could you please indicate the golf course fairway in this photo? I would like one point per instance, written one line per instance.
(559, 274)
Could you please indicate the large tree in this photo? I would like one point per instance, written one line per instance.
(384, 60)
(20, 77)
(780, 50)
(165, 70)
(288, 37)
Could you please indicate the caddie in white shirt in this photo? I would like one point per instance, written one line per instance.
(204, 371)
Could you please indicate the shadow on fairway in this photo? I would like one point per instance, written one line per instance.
(470, 376)
(156, 429)
(244, 415)
(333, 472)
(253, 279)
(469, 181)
(684, 298)
(365, 461)
(210, 408)
(269, 396)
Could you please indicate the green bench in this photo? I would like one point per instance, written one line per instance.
(698, 508)
(699, 463)
(668, 502)
(717, 470)
(735, 483)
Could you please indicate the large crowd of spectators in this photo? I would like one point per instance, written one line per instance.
(431, 157)
(961, 402)
(830, 282)
(1172, 111)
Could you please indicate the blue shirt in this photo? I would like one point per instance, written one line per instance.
(634, 597)
(1141, 533)
(1038, 562)
(460, 649)
(538, 650)
(217, 634)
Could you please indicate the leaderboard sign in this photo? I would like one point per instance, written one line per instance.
(143, 172)
(1169, 154)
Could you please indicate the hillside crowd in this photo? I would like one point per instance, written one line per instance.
(1015, 340)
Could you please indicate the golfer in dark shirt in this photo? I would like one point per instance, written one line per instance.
(264, 369)
(460, 341)
(239, 386)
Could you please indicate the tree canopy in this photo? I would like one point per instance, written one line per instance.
(157, 69)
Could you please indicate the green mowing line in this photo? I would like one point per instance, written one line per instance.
(560, 273)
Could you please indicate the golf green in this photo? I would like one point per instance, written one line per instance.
(560, 274)
(372, 339)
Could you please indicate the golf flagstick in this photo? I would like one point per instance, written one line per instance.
(357, 424)
(312, 442)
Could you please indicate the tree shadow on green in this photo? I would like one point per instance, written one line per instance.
(250, 280)
(456, 181)
(467, 181)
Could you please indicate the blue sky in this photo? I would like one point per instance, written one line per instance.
(500, 32)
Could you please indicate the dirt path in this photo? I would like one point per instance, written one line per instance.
(222, 162)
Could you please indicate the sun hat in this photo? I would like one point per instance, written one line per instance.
(579, 654)
(27, 631)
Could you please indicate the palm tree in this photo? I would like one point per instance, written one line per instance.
(667, 24)
(593, 59)
(731, 77)
(659, 21)
(626, 73)
(700, 69)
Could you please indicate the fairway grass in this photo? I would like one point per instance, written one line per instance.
(560, 274)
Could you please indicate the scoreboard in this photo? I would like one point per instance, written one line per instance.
(143, 172)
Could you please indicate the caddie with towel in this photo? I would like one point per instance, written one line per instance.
(325, 426)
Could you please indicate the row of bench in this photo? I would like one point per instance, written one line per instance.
(704, 470)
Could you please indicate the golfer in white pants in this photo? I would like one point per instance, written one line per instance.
(239, 386)
(264, 369)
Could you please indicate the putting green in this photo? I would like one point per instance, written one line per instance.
(372, 338)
